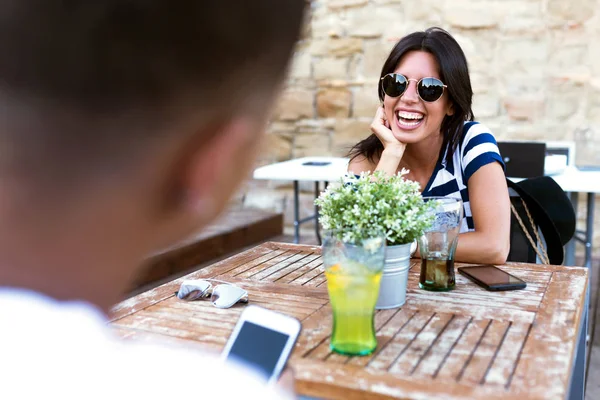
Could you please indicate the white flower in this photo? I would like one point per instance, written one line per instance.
(373, 202)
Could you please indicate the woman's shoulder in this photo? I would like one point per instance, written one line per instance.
(476, 131)
(475, 128)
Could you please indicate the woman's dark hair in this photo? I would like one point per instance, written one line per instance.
(454, 72)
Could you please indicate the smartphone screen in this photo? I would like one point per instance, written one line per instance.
(492, 277)
(258, 347)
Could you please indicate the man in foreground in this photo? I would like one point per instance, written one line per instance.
(125, 126)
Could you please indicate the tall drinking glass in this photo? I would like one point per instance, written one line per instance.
(438, 243)
(353, 267)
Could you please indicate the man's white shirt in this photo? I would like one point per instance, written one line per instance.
(65, 350)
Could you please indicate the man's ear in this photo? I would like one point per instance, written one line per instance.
(216, 166)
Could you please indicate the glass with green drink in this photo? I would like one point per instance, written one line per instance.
(353, 266)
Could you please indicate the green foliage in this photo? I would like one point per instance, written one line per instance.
(373, 203)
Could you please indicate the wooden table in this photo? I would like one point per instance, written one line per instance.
(464, 344)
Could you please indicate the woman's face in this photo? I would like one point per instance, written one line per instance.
(411, 119)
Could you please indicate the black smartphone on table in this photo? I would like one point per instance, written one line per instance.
(492, 278)
(316, 163)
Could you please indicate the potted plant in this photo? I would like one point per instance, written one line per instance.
(375, 202)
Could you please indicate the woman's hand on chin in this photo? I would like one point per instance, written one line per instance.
(381, 128)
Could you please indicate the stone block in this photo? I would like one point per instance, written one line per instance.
(285, 129)
(301, 65)
(349, 132)
(593, 106)
(330, 68)
(564, 100)
(566, 57)
(312, 143)
(466, 14)
(521, 84)
(335, 4)
(571, 12)
(365, 101)
(376, 52)
(525, 107)
(479, 48)
(373, 22)
(334, 103)
(486, 105)
(338, 47)
(295, 103)
(276, 148)
(523, 130)
(324, 23)
(482, 82)
(524, 55)
(428, 12)
(521, 16)
(355, 68)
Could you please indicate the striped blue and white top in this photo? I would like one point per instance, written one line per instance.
(477, 147)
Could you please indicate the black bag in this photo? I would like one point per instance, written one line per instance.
(542, 221)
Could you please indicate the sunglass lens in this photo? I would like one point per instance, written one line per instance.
(224, 296)
(394, 85)
(193, 289)
(431, 89)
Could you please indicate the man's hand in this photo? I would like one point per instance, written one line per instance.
(287, 382)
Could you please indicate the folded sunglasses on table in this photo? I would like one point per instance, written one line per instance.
(224, 295)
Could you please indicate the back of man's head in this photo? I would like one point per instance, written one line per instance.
(79, 78)
(125, 126)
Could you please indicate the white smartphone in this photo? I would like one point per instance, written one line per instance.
(263, 340)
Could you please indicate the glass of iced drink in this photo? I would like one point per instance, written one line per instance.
(353, 267)
(438, 244)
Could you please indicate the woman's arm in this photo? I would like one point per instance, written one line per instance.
(490, 207)
(393, 150)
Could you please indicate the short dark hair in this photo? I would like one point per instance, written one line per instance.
(454, 72)
(107, 59)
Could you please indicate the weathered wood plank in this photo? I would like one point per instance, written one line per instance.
(293, 267)
(166, 290)
(252, 269)
(385, 333)
(558, 322)
(301, 271)
(485, 353)
(422, 345)
(308, 276)
(461, 354)
(506, 359)
(463, 344)
(479, 311)
(265, 272)
(433, 361)
(396, 347)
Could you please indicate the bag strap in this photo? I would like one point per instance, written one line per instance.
(543, 255)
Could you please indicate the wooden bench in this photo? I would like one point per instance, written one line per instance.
(235, 230)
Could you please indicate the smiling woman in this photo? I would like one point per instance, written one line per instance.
(426, 125)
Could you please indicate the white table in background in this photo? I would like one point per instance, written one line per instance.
(311, 169)
(574, 181)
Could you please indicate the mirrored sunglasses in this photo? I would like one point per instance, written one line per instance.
(429, 89)
(224, 295)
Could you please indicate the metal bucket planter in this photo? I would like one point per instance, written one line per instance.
(392, 292)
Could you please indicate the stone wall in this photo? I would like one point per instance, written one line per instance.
(535, 70)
